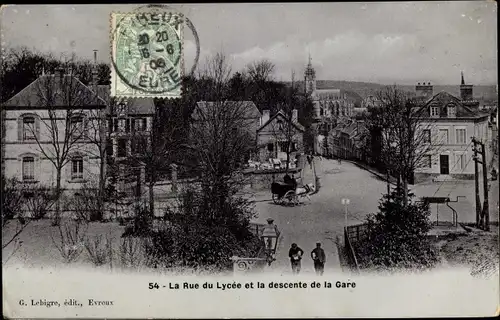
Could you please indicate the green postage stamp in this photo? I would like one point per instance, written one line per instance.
(147, 54)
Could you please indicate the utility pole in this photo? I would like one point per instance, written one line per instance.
(476, 183)
(482, 216)
(486, 209)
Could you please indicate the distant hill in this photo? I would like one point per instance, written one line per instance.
(361, 90)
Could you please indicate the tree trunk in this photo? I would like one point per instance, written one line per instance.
(151, 199)
(398, 186)
(405, 192)
(57, 218)
(102, 186)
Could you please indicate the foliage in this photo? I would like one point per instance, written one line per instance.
(21, 66)
(396, 235)
(85, 204)
(12, 199)
(197, 239)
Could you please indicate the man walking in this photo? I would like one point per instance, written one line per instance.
(295, 253)
(319, 258)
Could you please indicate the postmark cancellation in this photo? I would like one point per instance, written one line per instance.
(147, 54)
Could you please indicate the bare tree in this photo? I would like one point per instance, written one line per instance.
(63, 98)
(260, 71)
(219, 137)
(286, 127)
(406, 139)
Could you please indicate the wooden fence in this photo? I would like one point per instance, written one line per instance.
(357, 233)
(352, 235)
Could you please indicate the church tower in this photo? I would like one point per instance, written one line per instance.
(310, 78)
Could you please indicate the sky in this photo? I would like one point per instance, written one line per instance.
(397, 42)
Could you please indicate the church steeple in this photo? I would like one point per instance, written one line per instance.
(466, 90)
(310, 77)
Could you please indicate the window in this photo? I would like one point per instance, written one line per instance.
(77, 126)
(28, 168)
(451, 111)
(122, 148)
(28, 128)
(138, 145)
(77, 168)
(270, 147)
(434, 111)
(427, 161)
(283, 146)
(461, 136)
(443, 133)
(461, 161)
(427, 135)
(139, 124)
(280, 125)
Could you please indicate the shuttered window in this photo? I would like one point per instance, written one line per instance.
(77, 168)
(28, 128)
(28, 168)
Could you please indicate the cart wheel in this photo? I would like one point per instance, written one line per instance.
(276, 199)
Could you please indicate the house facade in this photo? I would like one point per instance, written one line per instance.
(277, 134)
(58, 121)
(128, 123)
(450, 123)
(346, 140)
(53, 122)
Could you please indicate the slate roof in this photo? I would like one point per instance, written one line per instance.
(442, 100)
(135, 105)
(35, 94)
(281, 115)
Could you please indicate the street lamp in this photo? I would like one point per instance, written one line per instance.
(270, 236)
(345, 202)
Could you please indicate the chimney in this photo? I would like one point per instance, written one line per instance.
(94, 70)
(295, 115)
(265, 117)
(424, 89)
(466, 90)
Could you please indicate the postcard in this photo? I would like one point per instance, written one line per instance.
(250, 160)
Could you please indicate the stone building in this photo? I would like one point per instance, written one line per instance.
(54, 119)
(450, 123)
(277, 133)
(330, 105)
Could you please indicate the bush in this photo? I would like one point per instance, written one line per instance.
(38, 201)
(71, 234)
(99, 251)
(12, 199)
(397, 236)
(85, 204)
(199, 238)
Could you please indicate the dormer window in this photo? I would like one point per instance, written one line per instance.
(451, 111)
(434, 111)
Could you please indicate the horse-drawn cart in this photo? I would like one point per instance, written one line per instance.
(283, 193)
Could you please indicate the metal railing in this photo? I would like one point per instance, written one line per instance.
(349, 252)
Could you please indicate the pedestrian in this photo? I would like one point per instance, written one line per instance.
(295, 253)
(319, 259)
(340, 160)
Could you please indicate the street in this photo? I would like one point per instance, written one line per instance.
(323, 218)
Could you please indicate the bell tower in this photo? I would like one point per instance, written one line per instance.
(310, 78)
